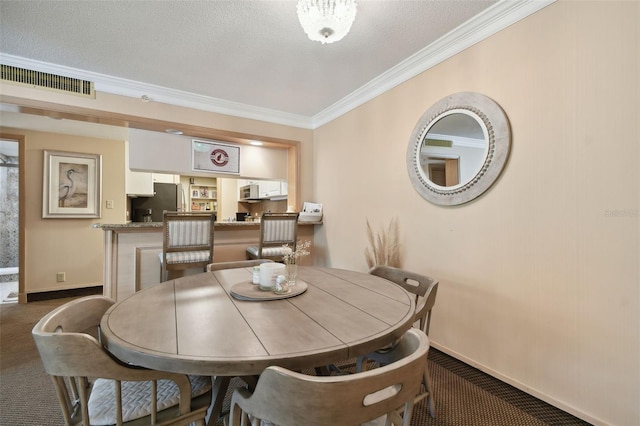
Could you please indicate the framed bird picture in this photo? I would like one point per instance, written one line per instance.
(72, 185)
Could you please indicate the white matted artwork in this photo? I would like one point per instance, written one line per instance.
(215, 157)
(72, 185)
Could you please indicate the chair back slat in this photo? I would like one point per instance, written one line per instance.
(191, 233)
(279, 231)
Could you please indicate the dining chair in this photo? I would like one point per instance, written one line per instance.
(187, 241)
(276, 230)
(237, 264)
(287, 398)
(94, 388)
(425, 289)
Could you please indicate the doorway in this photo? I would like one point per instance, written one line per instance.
(444, 171)
(9, 220)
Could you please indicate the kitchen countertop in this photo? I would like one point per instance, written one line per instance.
(151, 225)
(131, 261)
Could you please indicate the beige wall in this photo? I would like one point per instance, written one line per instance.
(119, 109)
(67, 245)
(71, 245)
(539, 278)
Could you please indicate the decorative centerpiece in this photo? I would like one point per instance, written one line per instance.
(292, 259)
(384, 248)
(269, 274)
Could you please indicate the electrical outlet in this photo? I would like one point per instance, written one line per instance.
(109, 204)
(61, 277)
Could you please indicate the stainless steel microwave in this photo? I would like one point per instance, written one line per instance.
(249, 192)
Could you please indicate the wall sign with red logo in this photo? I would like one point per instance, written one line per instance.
(215, 157)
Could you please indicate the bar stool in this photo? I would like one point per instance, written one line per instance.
(187, 241)
(276, 230)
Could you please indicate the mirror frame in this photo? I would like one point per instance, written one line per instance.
(494, 120)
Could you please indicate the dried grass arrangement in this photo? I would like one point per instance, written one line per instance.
(384, 248)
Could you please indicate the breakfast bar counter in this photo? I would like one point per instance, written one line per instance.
(132, 251)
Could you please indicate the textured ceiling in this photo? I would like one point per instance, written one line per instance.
(244, 51)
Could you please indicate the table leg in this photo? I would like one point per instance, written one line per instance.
(251, 382)
(220, 387)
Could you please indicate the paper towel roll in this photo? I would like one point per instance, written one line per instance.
(268, 274)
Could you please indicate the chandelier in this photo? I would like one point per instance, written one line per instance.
(326, 21)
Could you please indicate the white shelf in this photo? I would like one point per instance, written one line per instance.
(203, 197)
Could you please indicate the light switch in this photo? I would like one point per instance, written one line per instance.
(109, 204)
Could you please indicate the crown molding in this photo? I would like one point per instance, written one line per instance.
(135, 89)
(485, 24)
(492, 20)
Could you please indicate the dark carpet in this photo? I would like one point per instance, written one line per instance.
(464, 396)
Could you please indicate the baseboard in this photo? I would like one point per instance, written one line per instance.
(60, 294)
(521, 386)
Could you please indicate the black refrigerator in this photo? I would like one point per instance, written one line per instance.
(166, 197)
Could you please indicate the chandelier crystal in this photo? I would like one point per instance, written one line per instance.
(326, 21)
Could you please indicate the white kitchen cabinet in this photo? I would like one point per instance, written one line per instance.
(164, 178)
(245, 182)
(136, 183)
(141, 183)
(269, 188)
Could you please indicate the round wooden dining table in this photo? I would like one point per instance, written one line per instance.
(200, 324)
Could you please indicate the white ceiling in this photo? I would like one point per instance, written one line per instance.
(248, 58)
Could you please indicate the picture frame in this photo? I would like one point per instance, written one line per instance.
(72, 185)
(215, 157)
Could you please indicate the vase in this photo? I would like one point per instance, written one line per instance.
(291, 272)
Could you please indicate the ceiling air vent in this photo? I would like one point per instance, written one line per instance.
(439, 142)
(25, 77)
